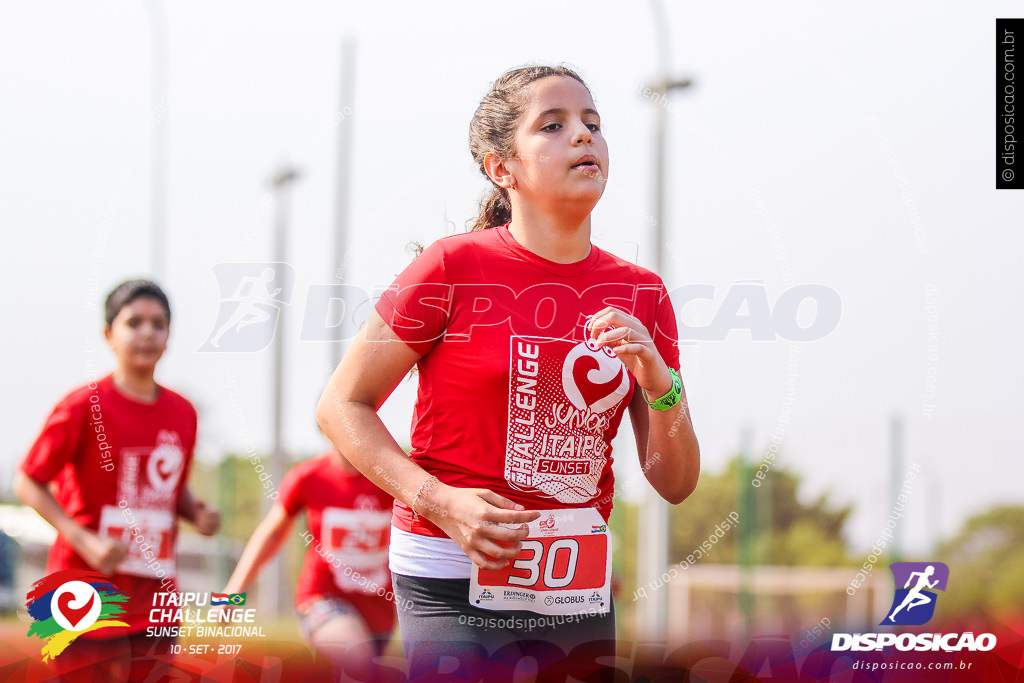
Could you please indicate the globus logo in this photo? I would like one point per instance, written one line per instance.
(252, 296)
(563, 599)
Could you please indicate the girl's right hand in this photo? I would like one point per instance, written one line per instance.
(487, 527)
(101, 553)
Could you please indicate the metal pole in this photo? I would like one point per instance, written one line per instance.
(895, 477)
(763, 511)
(653, 538)
(159, 150)
(226, 502)
(745, 532)
(934, 515)
(346, 111)
(274, 583)
(652, 546)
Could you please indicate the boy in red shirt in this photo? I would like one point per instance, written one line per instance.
(109, 472)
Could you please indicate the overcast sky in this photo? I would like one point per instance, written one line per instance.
(850, 146)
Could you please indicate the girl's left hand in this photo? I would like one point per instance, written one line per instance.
(628, 338)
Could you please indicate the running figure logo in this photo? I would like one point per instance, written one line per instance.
(914, 603)
(251, 297)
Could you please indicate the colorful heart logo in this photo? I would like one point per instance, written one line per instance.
(69, 603)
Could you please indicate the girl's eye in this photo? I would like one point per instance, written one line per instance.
(594, 127)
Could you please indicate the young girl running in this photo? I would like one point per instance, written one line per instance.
(530, 344)
(343, 592)
(117, 452)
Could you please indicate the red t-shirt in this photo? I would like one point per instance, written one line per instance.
(511, 397)
(349, 519)
(119, 468)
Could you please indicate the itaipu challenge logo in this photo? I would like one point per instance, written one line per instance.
(914, 603)
(71, 602)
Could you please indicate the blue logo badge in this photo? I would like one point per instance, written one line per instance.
(914, 603)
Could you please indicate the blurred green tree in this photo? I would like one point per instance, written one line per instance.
(786, 530)
(233, 487)
(985, 561)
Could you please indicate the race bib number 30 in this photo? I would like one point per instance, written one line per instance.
(565, 567)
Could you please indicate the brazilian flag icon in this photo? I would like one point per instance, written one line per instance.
(237, 598)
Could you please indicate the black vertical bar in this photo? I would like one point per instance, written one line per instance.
(1009, 37)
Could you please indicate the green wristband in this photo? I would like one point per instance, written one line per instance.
(672, 397)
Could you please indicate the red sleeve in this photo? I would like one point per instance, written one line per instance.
(292, 496)
(666, 333)
(57, 443)
(416, 305)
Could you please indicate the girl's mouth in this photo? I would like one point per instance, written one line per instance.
(588, 169)
(586, 162)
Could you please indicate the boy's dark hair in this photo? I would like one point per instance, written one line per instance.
(129, 291)
(493, 129)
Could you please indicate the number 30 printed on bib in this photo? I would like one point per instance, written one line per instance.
(564, 568)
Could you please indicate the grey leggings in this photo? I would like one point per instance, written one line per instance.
(447, 638)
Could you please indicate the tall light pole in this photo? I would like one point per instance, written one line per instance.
(653, 538)
(273, 587)
(896, 475)
(341, 208)
(745, 534)
(158, 142)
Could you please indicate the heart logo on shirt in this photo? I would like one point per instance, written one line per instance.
(165, 469)
(592, 392)
(165, 462)
(593, 379)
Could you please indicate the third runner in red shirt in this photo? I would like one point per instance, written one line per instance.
(344, 596)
